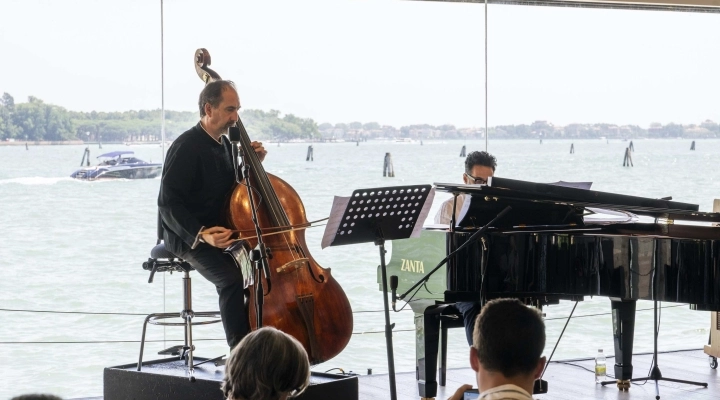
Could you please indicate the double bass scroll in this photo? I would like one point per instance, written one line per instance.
(305, 301)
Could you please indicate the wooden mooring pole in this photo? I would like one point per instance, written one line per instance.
(462, 151)
(572, 148)
(692, 146)
(388, 169)
(309, 156)
(627, 162)
(86, 156)
(631, 147)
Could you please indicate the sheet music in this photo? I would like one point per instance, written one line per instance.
(338, 208)
(423, 214)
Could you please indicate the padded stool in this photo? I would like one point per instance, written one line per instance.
(161, 260)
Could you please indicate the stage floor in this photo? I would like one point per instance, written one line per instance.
(568, 380)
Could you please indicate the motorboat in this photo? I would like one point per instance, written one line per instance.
(118, 165)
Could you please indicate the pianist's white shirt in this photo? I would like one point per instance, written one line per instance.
(445, 212)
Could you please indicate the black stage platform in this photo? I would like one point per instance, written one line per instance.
(168, 379)
(567, 379)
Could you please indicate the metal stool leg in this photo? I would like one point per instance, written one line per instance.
(188, 315)
(142, 341)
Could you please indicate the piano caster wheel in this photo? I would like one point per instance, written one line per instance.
(713, 362)
(623, 385)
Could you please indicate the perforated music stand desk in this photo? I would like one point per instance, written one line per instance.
(376, 215)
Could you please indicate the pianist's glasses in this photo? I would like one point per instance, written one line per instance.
(477, 181)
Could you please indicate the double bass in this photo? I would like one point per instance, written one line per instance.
(300, 298)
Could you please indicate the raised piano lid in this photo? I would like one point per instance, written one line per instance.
(503, 190)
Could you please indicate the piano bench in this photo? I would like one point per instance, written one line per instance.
(453, 319)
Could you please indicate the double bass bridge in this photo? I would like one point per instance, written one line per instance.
(292, 265)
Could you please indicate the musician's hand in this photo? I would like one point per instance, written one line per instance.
(460, 393)
(217, 236)
(259, 149)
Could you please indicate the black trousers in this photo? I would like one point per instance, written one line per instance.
(220, 269)
(470, 311)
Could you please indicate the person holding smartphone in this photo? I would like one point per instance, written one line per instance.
(506, 354)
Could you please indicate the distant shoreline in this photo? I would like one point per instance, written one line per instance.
(80, 142)
(65, 143)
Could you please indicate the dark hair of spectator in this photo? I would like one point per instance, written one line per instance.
(212, 94)
(509, 337)
(479, 158)
(36, 397)
(264, 365)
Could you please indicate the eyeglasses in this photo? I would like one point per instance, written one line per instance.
(477, 181)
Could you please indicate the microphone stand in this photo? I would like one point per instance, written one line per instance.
(471, 239)
(258, 255)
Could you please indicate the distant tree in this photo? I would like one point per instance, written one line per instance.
(710, 125)
(8, 130)
(325, 126)
(672, 130)
(39, 121)
(371, 126)
(355, 125)
(341, 126)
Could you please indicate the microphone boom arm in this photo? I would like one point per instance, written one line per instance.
(444, 260)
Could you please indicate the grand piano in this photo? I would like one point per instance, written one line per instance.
(551, 246)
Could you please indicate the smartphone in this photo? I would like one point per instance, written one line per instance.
(471, 394)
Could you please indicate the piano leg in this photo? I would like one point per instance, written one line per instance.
(623, 320)
(427, 339)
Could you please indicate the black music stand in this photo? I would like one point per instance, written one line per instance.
(376, 215)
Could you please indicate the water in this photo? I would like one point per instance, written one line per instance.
(78, 246)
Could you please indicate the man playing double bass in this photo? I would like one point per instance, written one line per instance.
(197, 179)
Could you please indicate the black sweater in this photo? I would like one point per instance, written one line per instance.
(198, 177)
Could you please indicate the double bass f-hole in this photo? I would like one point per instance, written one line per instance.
(306, 301)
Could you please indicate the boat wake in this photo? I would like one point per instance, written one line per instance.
(35, 180)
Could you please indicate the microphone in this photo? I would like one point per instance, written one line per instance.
(393, 289)
(234, 134)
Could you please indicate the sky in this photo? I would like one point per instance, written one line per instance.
(388, 61)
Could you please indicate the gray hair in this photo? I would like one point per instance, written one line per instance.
(266, 364)
(212, 94)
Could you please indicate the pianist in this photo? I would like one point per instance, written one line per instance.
(479, 166)
(506, 353)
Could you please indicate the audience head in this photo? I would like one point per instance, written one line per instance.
(509, 339)
(267, 364)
